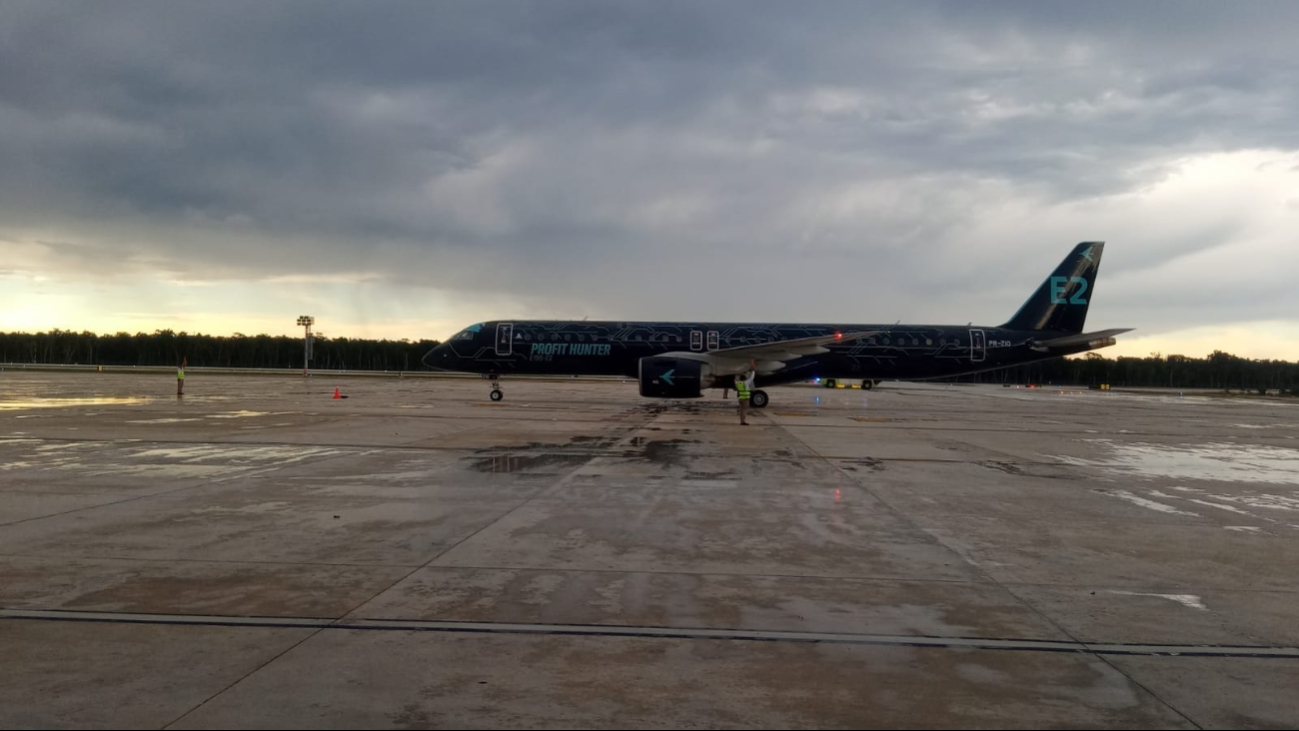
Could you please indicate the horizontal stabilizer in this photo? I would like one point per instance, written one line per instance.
(1095, 340)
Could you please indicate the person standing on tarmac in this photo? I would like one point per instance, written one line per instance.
(743, 387)
(180, 377)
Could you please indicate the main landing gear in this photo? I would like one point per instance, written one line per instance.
(758, 399)
(497, 394)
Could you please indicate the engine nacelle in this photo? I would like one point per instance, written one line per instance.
(668, 377)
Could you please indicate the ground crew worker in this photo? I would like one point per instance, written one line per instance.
(180, 377)
(743, 386)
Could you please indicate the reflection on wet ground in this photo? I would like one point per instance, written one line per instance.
(58, 403)
(1266, 479)
(1217, 462)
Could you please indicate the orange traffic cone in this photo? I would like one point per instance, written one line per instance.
(336, 393)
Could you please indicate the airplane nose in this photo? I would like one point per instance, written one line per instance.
(437, 358)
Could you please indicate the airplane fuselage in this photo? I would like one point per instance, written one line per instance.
(616, 348)
(681, 359)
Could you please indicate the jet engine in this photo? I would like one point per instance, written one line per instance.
(663, 376)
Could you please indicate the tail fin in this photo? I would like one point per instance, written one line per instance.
(1061, 302)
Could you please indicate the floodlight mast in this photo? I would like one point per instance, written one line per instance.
(306, 321)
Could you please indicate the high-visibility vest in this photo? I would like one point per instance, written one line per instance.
(180, 374)
(741, 389)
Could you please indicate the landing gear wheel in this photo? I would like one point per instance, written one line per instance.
(497, 394)
(867, 385)
(758, 400)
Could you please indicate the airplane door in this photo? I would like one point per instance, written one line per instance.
(696, 340)
(505, 339)
(713, 342)
(978, 347)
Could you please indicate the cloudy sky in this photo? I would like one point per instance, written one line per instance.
(405, 169)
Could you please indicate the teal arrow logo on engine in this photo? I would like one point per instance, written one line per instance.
(668, 377)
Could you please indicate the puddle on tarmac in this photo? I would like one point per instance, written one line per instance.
(253, 509)
(64, 446)
(1191, 601)
(709, 483)
(58, 403)
(202, 452)
(665, 452)
(1216, 462)
(157, 470)
(197, 460)
(1150, 504)
(1219, 506)
(861, 463)
(1191, 497)
(528, 462)
(727, 475)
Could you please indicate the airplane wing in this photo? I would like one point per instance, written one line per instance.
(1095, 340)
(768, 358)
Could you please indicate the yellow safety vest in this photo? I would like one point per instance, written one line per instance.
(180, 374)
(741, 390)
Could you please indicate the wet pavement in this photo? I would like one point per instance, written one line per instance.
(258, 554)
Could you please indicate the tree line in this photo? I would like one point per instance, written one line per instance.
(166, 348)
(1218, 371)
(1221, 371)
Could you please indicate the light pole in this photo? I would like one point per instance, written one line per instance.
(306, 321)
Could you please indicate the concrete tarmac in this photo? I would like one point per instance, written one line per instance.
(257, 554)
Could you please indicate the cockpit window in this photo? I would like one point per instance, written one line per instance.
(468, 333)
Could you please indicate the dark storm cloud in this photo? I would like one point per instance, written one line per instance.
(834, 156)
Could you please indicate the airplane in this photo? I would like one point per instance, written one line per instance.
(677, 360)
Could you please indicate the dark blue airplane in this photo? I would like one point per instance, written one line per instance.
(681, 359)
